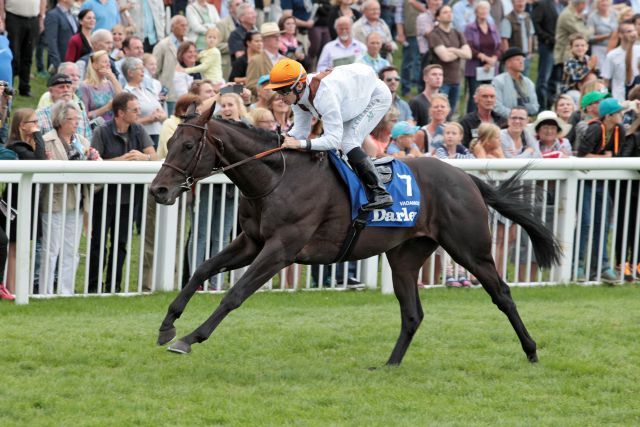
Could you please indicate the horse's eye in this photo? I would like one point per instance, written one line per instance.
(188, 146)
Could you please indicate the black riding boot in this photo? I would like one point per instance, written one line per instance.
(377, 194)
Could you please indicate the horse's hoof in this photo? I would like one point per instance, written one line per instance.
(180, 347)
(165, 337)
(533, 357)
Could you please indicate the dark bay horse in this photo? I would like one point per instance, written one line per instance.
(296, 209)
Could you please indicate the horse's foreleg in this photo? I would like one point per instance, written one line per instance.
(270, 261)
(405, 261)
(239, 253)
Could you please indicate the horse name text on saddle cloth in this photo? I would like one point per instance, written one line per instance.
(400, 183)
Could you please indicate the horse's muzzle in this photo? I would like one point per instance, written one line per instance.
(163, 195)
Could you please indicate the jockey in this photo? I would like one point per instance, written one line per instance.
(350, 100)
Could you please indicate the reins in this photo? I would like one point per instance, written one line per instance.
(193, 164)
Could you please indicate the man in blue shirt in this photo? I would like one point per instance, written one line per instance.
(391, 78)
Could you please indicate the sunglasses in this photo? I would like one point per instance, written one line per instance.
(284, 91)
(390, 79)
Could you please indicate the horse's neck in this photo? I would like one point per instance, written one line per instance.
(256, 176)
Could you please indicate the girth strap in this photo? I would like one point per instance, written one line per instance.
(357, 225)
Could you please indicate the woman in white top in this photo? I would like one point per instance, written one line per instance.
(187, 57)
(516, 143)
(151, 112)
(60, 213)
(201, 16)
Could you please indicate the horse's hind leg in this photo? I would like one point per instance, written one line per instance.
(472, 250)
(239, 253)
(405, 261)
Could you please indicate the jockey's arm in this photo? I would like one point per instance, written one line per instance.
(329, 108)
(301, 123)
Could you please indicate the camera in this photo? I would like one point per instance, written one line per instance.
(7, 90)
(234, 88)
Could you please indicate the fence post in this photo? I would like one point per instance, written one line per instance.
(23, 242)
(167, 219)
(386, 285)
(370, 272)
(567, 214)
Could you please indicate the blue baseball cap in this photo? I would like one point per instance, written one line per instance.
(609, 106)
(403, 128)
(263, 80)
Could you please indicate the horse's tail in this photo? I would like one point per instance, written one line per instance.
(516, 201)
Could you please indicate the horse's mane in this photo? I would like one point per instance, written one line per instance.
(264, 134)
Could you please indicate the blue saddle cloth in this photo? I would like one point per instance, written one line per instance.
(402, 187)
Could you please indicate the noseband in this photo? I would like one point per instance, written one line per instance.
(189, 179)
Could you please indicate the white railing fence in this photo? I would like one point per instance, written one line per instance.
(157, 247)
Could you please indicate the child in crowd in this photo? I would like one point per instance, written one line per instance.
(118, 37)
(210, 59)
(487, 145)
(579, 66)
(453, 148)
(151, 65)
(403, 141)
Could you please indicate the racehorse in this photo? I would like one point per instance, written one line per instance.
(295, 208)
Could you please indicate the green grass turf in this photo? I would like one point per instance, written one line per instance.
(303, 359)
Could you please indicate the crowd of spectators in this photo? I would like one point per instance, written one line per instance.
(122, 73)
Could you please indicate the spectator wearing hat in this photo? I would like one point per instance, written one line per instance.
(581, 119)
(263, 95)
(263, 62)
(247, 19)
(71, 70)
(512, 87)
(604, 138)
(549, 130)
(344, 49)
(516, 30)
(403, 141)
(61, 89)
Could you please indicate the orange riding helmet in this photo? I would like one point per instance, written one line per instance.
(286, 73)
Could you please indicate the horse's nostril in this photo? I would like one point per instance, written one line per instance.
(157, 191)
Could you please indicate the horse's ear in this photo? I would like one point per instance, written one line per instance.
(209, 113)
(191, 110)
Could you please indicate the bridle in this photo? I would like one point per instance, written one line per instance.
(189, 179)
